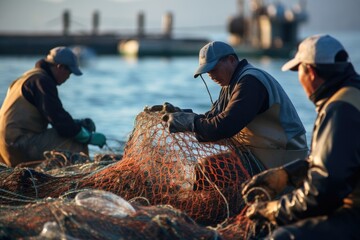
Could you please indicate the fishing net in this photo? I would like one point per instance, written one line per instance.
(98, 215)
(175, 184)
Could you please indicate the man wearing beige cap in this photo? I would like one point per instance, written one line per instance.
(32, 103)
(326, 201)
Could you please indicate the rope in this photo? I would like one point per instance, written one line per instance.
(143, 198)
(245, 197)
(33, 181)
(266, 225)
(207, 89)
(222, 195)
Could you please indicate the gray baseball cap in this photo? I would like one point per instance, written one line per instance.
(317, 49)
(210, 54)
(64, 55)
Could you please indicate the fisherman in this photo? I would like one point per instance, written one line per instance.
(32, 102)
(326, 201)
(252, 108)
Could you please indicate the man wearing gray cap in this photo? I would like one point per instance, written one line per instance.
(252, 108)
(32, 102)
(326, 203)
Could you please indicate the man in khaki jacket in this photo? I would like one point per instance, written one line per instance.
(32, 103)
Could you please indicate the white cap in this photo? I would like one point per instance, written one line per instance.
(317, 49)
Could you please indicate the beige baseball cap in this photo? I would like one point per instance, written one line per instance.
(317, 49)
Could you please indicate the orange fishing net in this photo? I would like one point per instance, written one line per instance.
(200, 180)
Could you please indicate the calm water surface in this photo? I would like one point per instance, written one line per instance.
(114, 89)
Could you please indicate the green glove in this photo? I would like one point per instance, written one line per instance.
(180, 121)
(98, 139)
(87, 123)
(84, 136)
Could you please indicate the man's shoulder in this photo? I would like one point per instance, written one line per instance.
(348, 94)
(37, 73)
(37, 77)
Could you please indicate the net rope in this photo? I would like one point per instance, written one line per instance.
(174, 182)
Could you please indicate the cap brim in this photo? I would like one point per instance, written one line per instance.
(291, 65)
(205, 68)
(75, 70)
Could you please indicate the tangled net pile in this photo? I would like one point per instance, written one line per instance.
(164, 186)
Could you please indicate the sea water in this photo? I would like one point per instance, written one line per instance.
(114, 89)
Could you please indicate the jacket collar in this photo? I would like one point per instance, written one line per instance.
(46, 67)
(332, 85)
(239, 68)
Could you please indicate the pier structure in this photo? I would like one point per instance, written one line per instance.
(102, 44)
(258, 29)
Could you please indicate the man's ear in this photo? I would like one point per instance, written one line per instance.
(314, 77)
(312, 72)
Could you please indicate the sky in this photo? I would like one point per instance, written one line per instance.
(189, 15)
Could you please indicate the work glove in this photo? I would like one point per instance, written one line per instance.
(263, 211)
(180, 121)
(87, 123)
(87, 137)
(97, 139)
(271, 182)
(165, 108)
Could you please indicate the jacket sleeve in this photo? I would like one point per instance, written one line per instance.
(42, 93)
(334, 165)
(297, 171)
(233, 110)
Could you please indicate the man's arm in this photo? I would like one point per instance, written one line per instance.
(42, 93)
(334, 165)
(248, 98)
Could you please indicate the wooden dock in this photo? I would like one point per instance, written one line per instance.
(161, 44)
(39, 44)
(262, 33)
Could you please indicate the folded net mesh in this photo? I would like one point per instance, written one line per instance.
(201, 180)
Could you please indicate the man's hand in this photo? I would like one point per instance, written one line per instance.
(263, 211)
(272, 181)
(180, 121)
(87, 123)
